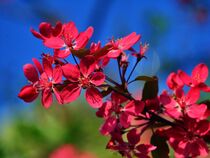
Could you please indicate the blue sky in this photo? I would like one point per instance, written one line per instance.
(177, 32)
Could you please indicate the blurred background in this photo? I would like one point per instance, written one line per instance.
(178, 33)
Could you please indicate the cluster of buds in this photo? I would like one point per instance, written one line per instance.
(176, 117)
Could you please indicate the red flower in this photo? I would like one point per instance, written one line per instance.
(45, 83)
(63, 36)
(83, 76)
(142, 51)
(69, 151)
(174, 82)
(51, 36)
(184, 104)
(188, 141)
(197, 79)
(120, 45)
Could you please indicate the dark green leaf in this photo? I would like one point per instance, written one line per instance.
(162, 150)
(144, 78)
(150, 90)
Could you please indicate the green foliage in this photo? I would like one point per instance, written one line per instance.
(37, 133)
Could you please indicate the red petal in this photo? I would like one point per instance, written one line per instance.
(199, 74)
(54, 42)
(71, 72)
(128, 41)
(30, 72)
(196, 111)
(47, 67)
(70, 93)
(70, 31)
(108, 126)
(184, 77)
(89, 32)
(58, 96)
(93, 97)
(87, 65)
(134, 107)
(62, 53)
(47, 98)
(125, 119)
(174, 82)
(114, 53)
(37, 35)
(98, 78)
(38, 65)
(81, 41)
(203, 127)
(192, 96)
(45, 29)
(57, 74)
(133, 136)
(28, 93)
(58, 29)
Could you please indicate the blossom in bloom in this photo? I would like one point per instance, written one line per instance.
(108, 111)
(187, 139)
(174, 82)
(82, 76)
(197, 79)
(142, 51)
(120, 45)
(49, 34)
(44, 83)
(69, 151)
(63, 37)
(184, 104)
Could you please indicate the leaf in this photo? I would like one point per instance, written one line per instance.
(150, 90)
(162, 149)
(100, 53)
(80, 53)
(144, 78)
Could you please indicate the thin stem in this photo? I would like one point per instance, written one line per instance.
(112, 81)
(160, 119)
(137, 61)
(131, 81)
(119, 69)
(121, 93)
(75, 60)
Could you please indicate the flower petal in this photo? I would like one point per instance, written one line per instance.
(47, 67)
(47, 98)
(196, 111)
(28, 93)
(71, 72)
(192, 96)
(128, 41)
(54, 42)
(185, 77)
(70, 93)
(87, 65)
(38, 65)
(199, 74)
(62, 53)
(70, 31)
(98, 78)
(58, 96)
(57, 74)
(114, 53)
(93, 97)
(108, 126)
(30, 72)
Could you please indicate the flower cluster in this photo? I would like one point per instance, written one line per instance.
(176, 117)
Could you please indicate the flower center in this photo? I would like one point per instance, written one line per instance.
(84, 82)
